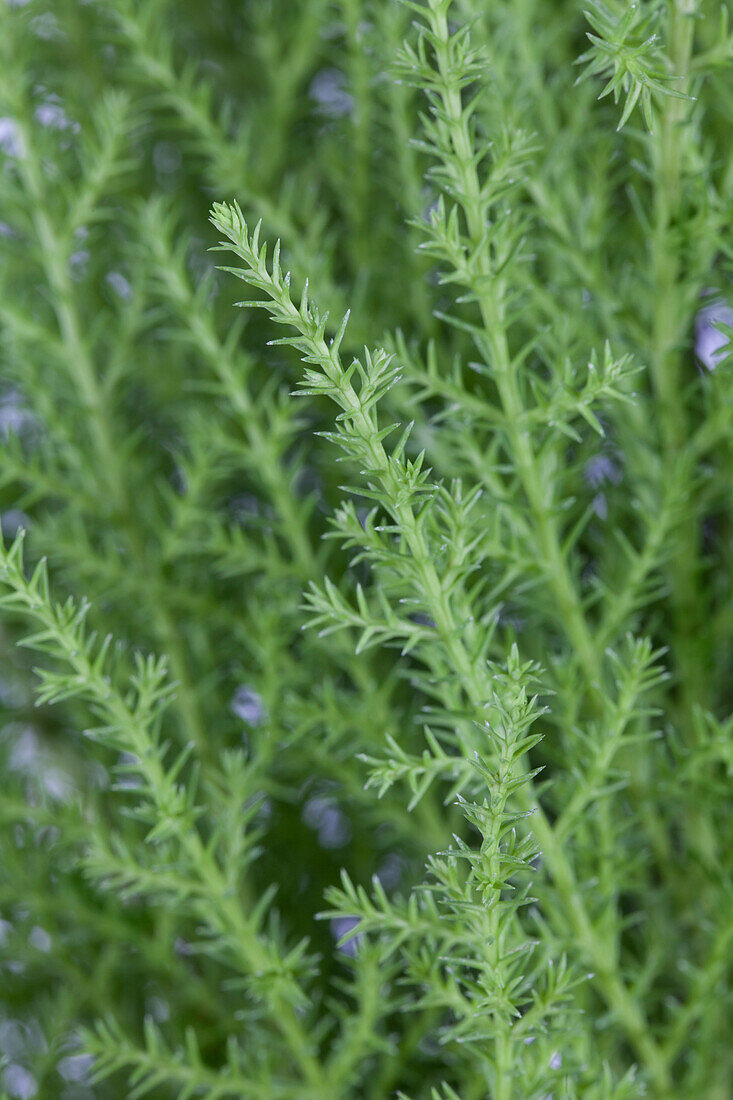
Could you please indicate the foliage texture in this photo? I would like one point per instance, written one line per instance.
(366, 686)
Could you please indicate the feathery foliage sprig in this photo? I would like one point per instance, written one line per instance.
(367, 652)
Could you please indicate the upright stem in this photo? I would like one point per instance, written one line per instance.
(478, 685)
(275, 475)
(490, 295)
(83, 373)
(357, 195)
(457, 638)
(669, 325)
(491, 304)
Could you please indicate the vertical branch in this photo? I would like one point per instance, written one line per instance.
(668, 363)
(54, 255)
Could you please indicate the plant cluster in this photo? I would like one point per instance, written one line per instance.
(366, 689)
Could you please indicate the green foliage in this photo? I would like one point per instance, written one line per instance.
(374, 743)
(625, 46)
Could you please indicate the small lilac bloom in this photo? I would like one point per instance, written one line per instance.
(327, 89)
(340, 927)
(40, 939)
(710, 343)
(334, 830)
(10, 138)
(247, 704)
(600, 468)
(55, 117)
(120, 285)
(19, 1082)
(76, 1067)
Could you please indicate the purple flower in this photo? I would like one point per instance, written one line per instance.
(711, 345)
(247, 705)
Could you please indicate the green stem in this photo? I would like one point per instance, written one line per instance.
(478, 686)
(220, 905)
(669, 330)
(82, 370)
(356, 195)
(490, 294)
(709, 975)
(459, 640)
(275, 477)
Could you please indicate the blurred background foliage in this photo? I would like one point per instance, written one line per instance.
(151, 450)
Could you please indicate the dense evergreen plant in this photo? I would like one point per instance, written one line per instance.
(366, 651)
